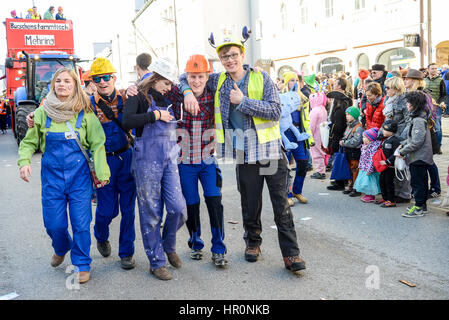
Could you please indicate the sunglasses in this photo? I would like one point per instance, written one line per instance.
(106, 78)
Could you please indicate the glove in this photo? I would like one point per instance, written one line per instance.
(303, 136)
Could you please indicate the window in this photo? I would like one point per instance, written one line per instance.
(283, 70)
(395, 58)
(283, 17)
(329, 8)
(304, 69)
(359, 4)
(303, 11)
(331, 65)
(363, 62)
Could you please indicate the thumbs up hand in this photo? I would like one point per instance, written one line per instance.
(236, 95)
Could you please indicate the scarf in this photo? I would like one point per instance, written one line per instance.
(158, 98)
(58, 111)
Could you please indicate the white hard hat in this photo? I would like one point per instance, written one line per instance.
(165, 68)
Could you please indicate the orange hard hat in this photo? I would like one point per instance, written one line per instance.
(86, 76)
(197, 64)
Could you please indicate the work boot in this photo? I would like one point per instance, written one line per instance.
(161, 273)
(196, 254)
(83, 276)
(301, 198)
(294, 264)
(174, 260)
(291, 202)
(56, 260)
(219, 260)
(252, 254)
(104, 248)
(128, 263)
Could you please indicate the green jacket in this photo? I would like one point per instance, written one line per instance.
(92, 137)
(48, 16)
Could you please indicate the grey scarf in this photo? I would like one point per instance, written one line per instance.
(57, 110)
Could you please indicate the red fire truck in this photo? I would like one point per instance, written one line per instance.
(36, 50)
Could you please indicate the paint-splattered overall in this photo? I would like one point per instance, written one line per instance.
(155, 170)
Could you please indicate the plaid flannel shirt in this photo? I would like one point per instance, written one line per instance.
(268, 108)
(195, 133)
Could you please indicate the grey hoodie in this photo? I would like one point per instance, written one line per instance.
(418, 145)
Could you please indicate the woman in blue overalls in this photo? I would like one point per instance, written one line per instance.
(65, 174)
(155, 167)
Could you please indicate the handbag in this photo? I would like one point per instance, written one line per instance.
(377, 158)
(400, 167)
(340, 167)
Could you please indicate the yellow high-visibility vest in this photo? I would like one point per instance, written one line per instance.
(267, 130)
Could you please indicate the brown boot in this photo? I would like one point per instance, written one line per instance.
(252, 254)
(56, 260)
(294, 264)
(174, 260)
(83, 276)
(301, 198)
(161, 274)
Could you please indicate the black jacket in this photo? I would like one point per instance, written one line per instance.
(389, 146)
(338, 118)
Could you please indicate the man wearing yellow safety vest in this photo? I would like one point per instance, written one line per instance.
(247, 114)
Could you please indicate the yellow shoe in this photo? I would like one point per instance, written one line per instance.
(291, 202)
(301, 198)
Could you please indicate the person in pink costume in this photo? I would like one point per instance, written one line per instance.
(317, 116)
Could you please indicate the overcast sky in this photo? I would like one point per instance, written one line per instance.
(93, 20)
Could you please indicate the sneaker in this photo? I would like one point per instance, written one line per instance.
(128, 263)
(368, 199)
(424, 209)
(300, 198)
(347, 191)
(388, 204)
(380, 201)
(318, 176)
(219, 260)
(294, 264)
(161, 273)
(104, 248)
(174, 260)
(196, 254)
(252, 254)
(414, 212)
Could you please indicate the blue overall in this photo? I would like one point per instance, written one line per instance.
(301, 156)
(155, 169)
(66, 181)
(209, 174)
(120, 193)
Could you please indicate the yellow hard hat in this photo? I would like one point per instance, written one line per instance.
(230, 41)
(101, 66)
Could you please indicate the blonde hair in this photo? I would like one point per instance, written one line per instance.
(79, 98)
(396, 83)
(417, 85)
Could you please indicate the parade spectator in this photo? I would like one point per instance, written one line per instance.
(29, 14)
(437, 88)
(352, 142)
(154, 166)
(60, 15)
(14, 15)
(395, 104)
(374, 106)
(368, 179)
(379, 75)
(360, 86)
(340, 103)
(318, 115)
(387, 177)
(418, 151)
(65, 174)
(3, 116)
(414, 81)
(445, 75)
(49, 14)
(35, 15)
(143, 61)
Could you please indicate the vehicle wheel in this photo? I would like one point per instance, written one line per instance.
(21, 113)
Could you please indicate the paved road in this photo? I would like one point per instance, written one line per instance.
(347, 245)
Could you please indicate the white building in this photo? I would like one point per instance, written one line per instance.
(178, 29)
(326, 36)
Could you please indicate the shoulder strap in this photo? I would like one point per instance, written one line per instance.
(79, 121)
(94, 105)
